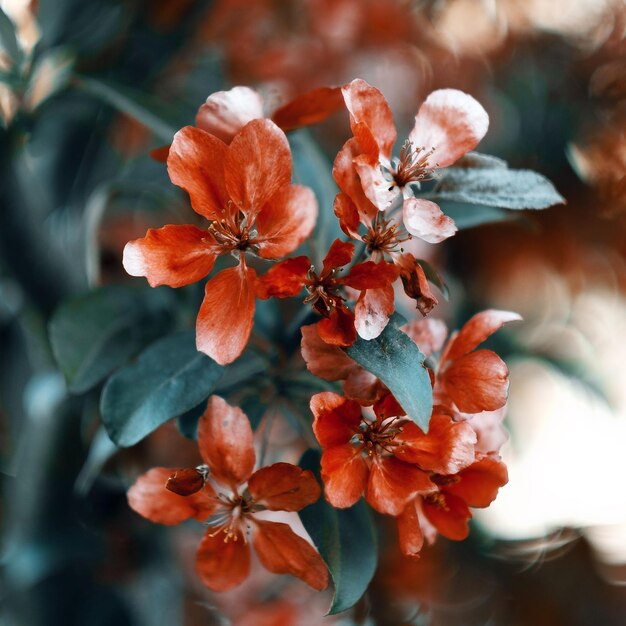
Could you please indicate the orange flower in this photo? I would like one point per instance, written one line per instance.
(244, 189)
(387, 457)
(448, 124)
(226, 494)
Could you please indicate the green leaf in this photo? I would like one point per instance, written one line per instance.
(346, 540)
(398, 362)
(169, 378)
(467, 215)
(497, 187)
(134, 104)
(8, 39)
(94, 333)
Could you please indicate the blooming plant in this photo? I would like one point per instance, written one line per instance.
(318, 314)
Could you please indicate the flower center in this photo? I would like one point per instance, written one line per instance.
(413, 165)
(322, 290)
(231, 519)
(378, 437)
(233, 233)
(383, 237)
(438, 500)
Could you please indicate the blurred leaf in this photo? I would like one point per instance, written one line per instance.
(188, 421)
(96, 332)
(169, 378)
(467, 215)
(130, 102)
(497, 187)
(435, 278)
(101, 450)
(398, 362)
(8, 38)
(479, 160)
(50, 74)
(345, 538)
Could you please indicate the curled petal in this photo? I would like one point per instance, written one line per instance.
(225, 442)
(338, 329)
(220, 564)
(425, 220)
(478, 381)
(286, 222)
(380, 191)
(348, 215)
(323, 359)
(257, 166)
(479, 483)
(283, 552)
(309, 108)
(446, 449)
(225, 113)
(450, 121)
(173, 255)
(428, 334)
(449, 516)
(283, 487)
(476, 330)
(410, 535)
(339, 254)
(149, 497)
(344, 472)
(225, 318)
(373, 310)
(336, 419)
(367, 105)
(416, 284)
(283, 280)
(196, 163)
(393, 483)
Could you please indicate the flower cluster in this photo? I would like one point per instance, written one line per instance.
(236, 166)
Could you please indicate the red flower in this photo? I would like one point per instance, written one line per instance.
(244, 189)
(448, 124)
(227, 495)
(387, 457)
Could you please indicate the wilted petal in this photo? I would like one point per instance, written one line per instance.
(476, 330)
(344, 472)
(226, 316)
(392, 484)
(478, 381)
(410, 536)
(174, 255)
(323, 359)
(425, 220)
(450, 121)
(283, 552)
(257, 166)
(285, 223)
(449, 517)
(283, 280)
(336, 419)
(283, 487)
(225, 113)
(416, 284)
(149, 497)
(225, 442)
(222, 565)
(363, 387)
(478, 485)
(196, 163)
(428, 334)
(373, 310)
(309, 108)
(367, 105)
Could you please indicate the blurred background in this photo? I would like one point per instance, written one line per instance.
(88, 88)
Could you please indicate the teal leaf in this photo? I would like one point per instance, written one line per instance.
(346, 540)
(397, 361)
(8, 38)
(96, 332)
(169, 378)
(466, 215)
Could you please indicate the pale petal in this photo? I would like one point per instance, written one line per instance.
(425, 220)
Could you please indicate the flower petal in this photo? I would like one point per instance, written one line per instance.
(450, 121)
(425, 220)
(285, 223)
(196, 163)
(281, 551)
(174, 255)
(338, 329)
(479, 483)
(222, 565)
(368, 106)
(339, 254)
(323, 359)
(392, 484)
(416, 284)
(225, 442)
(380, 191)
(410, 535)
(283, 280)
(348, 215)
(478, 381)
(450, 517)
(370, 275)
(226, 316)
(429, 334)
(336, 419)
(447, 448)
(283, 487)
(225, 113)
(149, 497)
(257, 166)
(373, 310)
(476, 330)
(344, 472)
(309, 108)
(363, 387)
